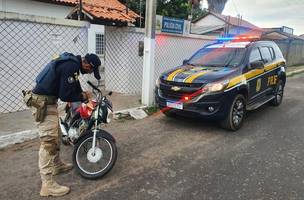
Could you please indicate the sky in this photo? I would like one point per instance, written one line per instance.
(269, 13)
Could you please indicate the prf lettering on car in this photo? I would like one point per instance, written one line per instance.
(223, 80)
(272, 80)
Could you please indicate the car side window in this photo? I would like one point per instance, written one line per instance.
(266, 54)
(255, 55)
(272, 53)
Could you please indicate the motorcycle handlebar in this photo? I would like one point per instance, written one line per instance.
(93, 86)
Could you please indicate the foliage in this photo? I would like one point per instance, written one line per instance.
(170, 8)
(151, 110)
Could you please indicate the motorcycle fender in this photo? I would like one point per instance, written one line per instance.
(104, 134)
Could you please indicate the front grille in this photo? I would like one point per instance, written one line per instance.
(186, 89)
(181, 84)
(168, 94)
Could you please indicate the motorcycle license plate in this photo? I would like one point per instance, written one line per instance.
(176, 105)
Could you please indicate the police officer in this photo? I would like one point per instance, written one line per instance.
(58, 80)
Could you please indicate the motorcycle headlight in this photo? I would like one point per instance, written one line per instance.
(109, 116)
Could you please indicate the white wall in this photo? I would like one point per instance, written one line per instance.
(34, 8)
(92, 31)
(209, 20)
(123, 65)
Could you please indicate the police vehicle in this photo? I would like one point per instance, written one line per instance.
(224, 80)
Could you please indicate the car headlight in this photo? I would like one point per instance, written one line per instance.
(216, 87)
(211, 88)
(157, 82)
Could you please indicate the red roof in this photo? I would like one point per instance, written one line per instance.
(104, 9)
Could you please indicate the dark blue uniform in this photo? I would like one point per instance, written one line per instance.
(67, 86)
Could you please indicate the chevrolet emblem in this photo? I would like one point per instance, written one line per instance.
(175, 88)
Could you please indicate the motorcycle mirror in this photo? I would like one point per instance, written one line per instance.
(110, 93)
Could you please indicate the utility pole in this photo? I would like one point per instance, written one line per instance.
(140, 13)
(190, 17)
(80, 10)
(147, 96)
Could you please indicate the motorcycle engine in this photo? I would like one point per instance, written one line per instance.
(75, 132)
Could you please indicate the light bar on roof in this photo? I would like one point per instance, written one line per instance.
(237, 38)
(242, 44)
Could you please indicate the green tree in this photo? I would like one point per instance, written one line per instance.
(174, 8)
(170, 8)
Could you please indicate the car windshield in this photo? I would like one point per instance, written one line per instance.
(218, 57)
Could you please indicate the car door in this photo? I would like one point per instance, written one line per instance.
(254, 76)
(270, 78)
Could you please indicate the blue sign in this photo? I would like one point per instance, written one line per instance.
(172, 25)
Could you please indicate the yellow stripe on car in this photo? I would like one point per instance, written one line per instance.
(236, 80)
(251, 74)
(254, 73)
(274, 65)
(174, 73)
(190, 79)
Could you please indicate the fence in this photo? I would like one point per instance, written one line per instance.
(293, 51)
(28, 43)
(123, 65)
(26, 46)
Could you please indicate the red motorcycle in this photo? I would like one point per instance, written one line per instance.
(95, 150)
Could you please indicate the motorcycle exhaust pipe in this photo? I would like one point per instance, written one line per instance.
(63, 127)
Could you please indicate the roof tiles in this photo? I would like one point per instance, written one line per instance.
(105, 9)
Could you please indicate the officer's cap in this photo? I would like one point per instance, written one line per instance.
(95, 62)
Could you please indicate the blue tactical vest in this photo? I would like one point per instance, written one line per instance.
(47, 77)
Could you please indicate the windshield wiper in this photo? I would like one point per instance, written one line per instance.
(210, 65)
(203, 65)
(191, 64)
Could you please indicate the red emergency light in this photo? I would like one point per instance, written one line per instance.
(186, 98)
(242, 38)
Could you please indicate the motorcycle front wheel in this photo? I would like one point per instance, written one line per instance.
(94, 163)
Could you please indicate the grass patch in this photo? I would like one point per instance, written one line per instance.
(298, 65)
(151, 110)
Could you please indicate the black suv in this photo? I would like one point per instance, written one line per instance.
(223, 80)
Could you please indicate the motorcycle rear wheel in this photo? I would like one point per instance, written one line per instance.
(94, 164)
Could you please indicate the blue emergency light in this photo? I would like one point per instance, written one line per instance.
(239, 38)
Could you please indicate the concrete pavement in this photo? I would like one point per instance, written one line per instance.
(162, 158)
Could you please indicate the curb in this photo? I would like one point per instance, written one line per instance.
(19, 137)
(127, 111)
(288, 74)
(23, 136)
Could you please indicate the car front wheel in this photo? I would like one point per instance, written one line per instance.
(236, 114)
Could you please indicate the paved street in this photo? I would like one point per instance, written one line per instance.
(162, 158)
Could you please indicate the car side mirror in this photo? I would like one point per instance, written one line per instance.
(257, 65)
(185, 62)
